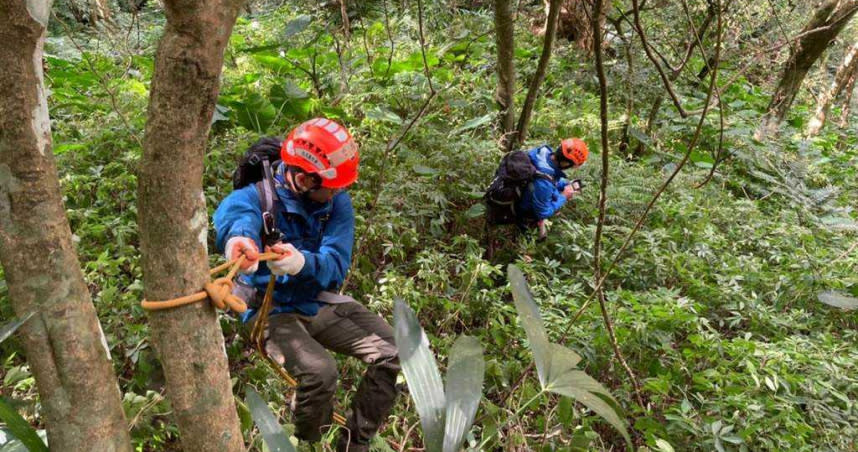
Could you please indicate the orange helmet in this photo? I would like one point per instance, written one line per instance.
(574, 150)
(324, 147)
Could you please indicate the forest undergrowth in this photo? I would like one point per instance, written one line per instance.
(714, 304)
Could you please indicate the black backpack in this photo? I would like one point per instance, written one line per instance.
(256, 166)
(512, 177)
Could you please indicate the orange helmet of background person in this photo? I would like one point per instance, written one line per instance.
(574, 150)
(324, 147)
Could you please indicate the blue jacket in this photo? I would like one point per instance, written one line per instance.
(543, 198)
(324, 233)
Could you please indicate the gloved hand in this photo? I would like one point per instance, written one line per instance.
(236, 246)
(290, 264)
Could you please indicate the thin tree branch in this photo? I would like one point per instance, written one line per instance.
(101, 81)
(389, 38)
(423, 46)
(394, 143)
(692, 144)
(648, 50)
(603, 196)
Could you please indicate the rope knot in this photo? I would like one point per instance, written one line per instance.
(220, 293)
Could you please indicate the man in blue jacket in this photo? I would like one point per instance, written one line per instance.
(545, 196)
(315, 216)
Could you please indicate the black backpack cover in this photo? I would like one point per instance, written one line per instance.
(512, 177)
(251, 166)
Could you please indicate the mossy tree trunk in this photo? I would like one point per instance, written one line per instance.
(505, 92)
(174, 222)
(63, 341)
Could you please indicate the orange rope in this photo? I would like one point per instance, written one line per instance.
(219, 291)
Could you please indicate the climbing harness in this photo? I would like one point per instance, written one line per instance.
(219, 291)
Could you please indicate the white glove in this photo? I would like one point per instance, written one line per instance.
(290, 264)
(238, 245)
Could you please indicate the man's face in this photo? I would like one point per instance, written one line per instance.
(315, 192)
(565, 164)
(322, 194)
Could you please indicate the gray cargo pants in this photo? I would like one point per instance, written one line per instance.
(299, 343)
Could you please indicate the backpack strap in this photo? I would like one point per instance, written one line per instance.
(542, 175)
(268, 202)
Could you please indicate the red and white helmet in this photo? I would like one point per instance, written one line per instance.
(323, 147)
(574, 150)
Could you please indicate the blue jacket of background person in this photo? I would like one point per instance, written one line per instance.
(324, 233)
(543, 198)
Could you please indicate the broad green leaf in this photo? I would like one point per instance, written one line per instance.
(296, 26)
(421, 374)
(272, 432)
(9, 443)
(555, 364)
(640, 136)
(272, 61)
(287, 90)
(66, 147)
(255, 112)
(583, 388)
(20, 428)
(220, 113)
(563, 360)
(424, 170)
(384, 115)
(663, 446)
(464, 389)
(473, 123)
(531, 321)
(838, 300)
(7, 329)
(476, 211)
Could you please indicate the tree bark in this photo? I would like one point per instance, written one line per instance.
(574, 22)
(63, 341)
(533, 91)
(829, 19)
(174, 224)
(504, 35)
(847, 101)
(844, 73)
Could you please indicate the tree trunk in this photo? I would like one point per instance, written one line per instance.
(64, 344)
(847, 101)
(99, 10)
(574, 22)
(829, 19)
(841, 79)
(504, 35)
(533, 91)
(174, 224)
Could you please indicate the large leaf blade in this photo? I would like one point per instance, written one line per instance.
(838, 300)
(20, 428)
(11, 326)
(592, 394)
(272, 432)
(531, 320)
(421, 374)
(465, 374)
